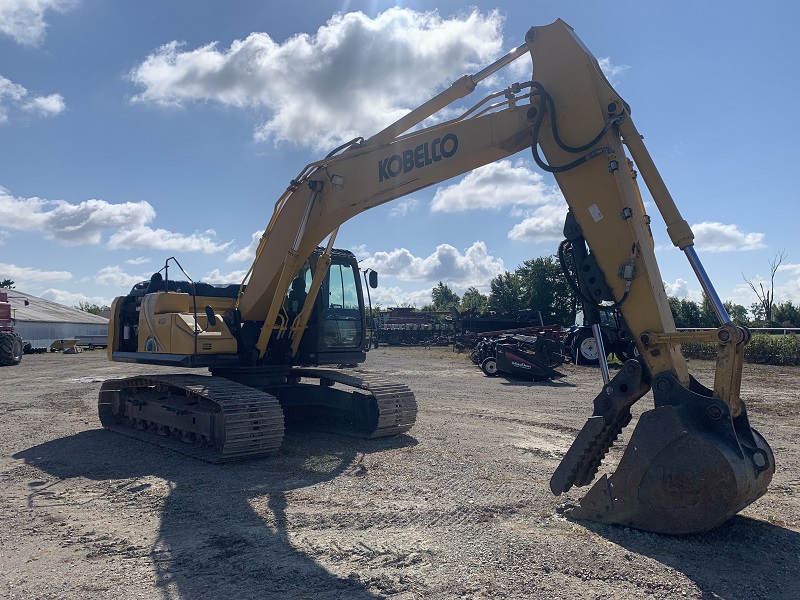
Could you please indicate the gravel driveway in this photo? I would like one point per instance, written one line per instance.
(458, 508)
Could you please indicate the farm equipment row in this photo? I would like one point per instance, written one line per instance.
(407, 327)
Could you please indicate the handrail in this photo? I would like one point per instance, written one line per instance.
(782, 331)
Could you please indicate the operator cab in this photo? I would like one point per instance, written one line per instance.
(337, 325)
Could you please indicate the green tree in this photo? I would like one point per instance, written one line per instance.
(693, 314)
(757, 310)
(7, 283)
(685, 312)
(89, 307)
(506, 294)
(443, 298)
(737, 313)
(545, 289)
(708, 318)
(475, 301)
(786, 314)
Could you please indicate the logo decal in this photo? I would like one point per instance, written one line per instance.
(421, 156)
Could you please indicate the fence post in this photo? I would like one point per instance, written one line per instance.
(783, 348)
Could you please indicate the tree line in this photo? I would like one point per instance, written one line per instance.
(701, 314)
(540, 285)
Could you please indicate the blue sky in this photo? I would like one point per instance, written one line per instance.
(135, 131)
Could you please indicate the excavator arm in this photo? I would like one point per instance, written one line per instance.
(692, 461)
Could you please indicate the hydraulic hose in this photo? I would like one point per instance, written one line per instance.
(547, 100)
(575, 287)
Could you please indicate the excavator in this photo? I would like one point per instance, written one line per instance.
(273, 344)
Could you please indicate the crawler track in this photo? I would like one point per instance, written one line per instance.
(217, 419)
(209, 418)
(393, 403)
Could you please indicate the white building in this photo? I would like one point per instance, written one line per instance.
(41, 322)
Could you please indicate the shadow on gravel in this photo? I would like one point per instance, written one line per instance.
(550, 383)
(742, 559)
(223, 530)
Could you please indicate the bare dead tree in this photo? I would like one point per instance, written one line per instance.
(766, 297)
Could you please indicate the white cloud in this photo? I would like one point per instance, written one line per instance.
(494, 186)
(161, 239)
(23, 20)
(85, 223)
(388, 297)
(15, 96)
(354, 76)
(27, 276)
(680, 289)
(473, 268)
(360, 251)
(794, 269)
(138, 261)
(216, 276)
(9, 91)
(545, 224)
(513, 184)
(742, 294)
(717, 237)
(402, 208)
(72, 224)
(116, 277)
(612, 72)
(784, 290)
(73, 298)
(677, 289)
(248, 253)
(46, 106)
(788, 291)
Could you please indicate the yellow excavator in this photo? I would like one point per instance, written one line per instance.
(272, 344)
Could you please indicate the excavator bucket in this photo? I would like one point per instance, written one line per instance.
(689, 465)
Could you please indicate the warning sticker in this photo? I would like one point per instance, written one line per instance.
(595, 212)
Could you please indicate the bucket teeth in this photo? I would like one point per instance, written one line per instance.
(611, 414)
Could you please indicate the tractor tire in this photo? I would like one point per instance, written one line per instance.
(10, 349)
(489, 366)
(585, 350)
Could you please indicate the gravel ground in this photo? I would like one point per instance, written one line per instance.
(458, 508)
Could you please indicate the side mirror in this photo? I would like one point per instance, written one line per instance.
(212, 318)
(373, 279)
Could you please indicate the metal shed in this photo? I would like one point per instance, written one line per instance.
(41, 322)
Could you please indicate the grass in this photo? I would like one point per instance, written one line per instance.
(763, 349)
